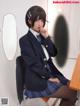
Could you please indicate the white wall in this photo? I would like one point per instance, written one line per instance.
(7, 68)
(72, 17)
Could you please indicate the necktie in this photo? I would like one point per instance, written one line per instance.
(39, 38)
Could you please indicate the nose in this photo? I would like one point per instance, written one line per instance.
(40, 23)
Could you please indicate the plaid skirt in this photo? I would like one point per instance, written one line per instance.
(51, 88)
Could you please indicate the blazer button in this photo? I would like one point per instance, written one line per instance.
(45, 59)
(43, 77)
(46, 46)
(45, 66)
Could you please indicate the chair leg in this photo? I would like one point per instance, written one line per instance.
(56, 102)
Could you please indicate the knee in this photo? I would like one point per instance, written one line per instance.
(73, 96)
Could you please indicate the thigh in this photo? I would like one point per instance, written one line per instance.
(64, 92)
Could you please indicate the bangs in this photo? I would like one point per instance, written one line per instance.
(40, 17)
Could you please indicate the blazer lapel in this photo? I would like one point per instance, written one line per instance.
(36, 43)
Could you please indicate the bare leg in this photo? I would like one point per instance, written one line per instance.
(67, 95)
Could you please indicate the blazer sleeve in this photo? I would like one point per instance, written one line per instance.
(32, 60)
(49, 45)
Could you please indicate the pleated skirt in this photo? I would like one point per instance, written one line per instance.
(51, 88)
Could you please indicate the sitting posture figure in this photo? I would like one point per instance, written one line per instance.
(42, 78)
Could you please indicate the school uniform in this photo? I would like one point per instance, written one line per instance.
(39, 67)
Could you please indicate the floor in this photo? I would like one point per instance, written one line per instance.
(40, 102)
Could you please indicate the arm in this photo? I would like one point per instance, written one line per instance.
(49, 45)
(52, 52)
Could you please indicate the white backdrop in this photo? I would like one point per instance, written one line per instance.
(17, 8)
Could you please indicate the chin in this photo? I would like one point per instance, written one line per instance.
(37, 31)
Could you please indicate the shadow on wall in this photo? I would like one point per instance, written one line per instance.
(61, 39)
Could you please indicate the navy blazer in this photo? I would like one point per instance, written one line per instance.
(36, 72)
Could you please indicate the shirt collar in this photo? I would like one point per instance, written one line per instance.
(34, 32)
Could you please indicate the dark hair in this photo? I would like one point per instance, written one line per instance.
(33, 14)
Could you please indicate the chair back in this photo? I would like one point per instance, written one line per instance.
(20, 77)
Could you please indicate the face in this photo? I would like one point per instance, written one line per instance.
(38, 25)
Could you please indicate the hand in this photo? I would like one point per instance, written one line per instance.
(44, 32)
(54, 80)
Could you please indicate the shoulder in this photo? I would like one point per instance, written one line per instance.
(24, 40)
(24, 37)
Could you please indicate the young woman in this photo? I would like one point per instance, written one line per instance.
(42, 78)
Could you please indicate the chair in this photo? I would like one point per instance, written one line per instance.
(20, 79)
(20, 67)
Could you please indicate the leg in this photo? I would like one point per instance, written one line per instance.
(68, 96)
